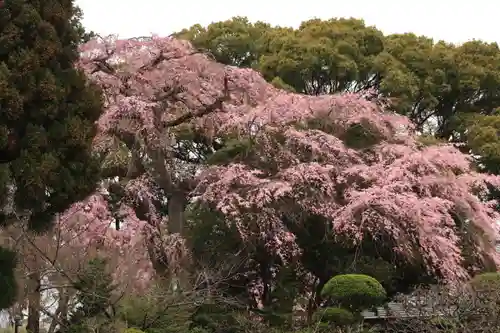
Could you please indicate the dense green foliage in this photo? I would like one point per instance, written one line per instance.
(133, 330)
(48, 116)
(49, 109)
(483, 137)
(355, 292)
(336, 316)
(458, 86)
(94, 286)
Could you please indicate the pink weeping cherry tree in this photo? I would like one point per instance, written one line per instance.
(273, 154)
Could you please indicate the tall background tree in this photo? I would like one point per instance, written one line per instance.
(445, 89)
(47, 120)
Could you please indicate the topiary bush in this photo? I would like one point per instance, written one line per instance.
(133, 330)
(355, 292)
(337, 316)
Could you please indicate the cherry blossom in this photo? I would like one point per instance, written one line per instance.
(89, 226)
(343, 157)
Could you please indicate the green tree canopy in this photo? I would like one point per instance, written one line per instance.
(483, 138)
(437, 84)
(232, 42)
(48, 112)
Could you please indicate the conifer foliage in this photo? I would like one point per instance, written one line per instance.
(47, 112)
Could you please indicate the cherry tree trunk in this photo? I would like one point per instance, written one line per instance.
(176, 206)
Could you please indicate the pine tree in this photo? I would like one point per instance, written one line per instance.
(95, 287)
(47, 113)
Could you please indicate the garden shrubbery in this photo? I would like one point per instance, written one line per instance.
(346, 296)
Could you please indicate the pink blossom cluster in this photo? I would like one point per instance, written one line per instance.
(88, 228)
(410, 194)
(395, 189)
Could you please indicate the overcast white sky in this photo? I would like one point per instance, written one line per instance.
(453, 21)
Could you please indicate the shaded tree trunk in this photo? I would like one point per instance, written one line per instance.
(176, 206)
(34, 302)
(61, 314)
(315, 299)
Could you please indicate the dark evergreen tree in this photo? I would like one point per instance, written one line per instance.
(7, 278)
(95, 286)
(48, 112)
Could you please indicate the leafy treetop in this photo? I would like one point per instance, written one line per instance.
(434, 83)
(47, 119)
(48, 111)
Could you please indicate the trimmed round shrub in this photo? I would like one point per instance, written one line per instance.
(337, 316)
(133, 330)
(355, 292)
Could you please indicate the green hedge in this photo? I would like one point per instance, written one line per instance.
(355, 292)
(133, 330)
(337, 316)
